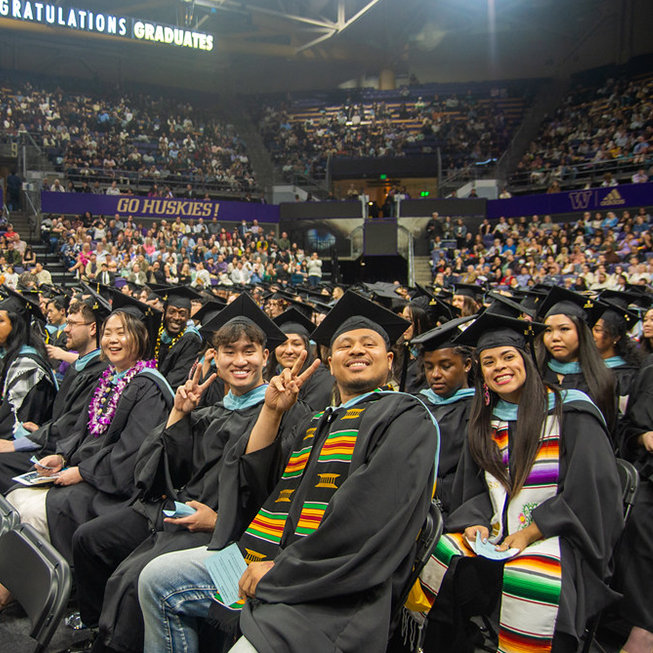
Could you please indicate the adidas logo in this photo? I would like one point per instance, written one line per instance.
(613, 198)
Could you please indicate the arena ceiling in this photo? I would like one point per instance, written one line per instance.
(277, 45)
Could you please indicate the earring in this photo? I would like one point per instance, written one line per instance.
(486, 394)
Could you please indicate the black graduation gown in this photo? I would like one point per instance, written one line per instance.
(183, 463)
(36, 406)
(175, 362)
(71, 400)
(334, 589)
(452, 420)
(413, 371)
(107, 462)
(317, 392)
(635, 553)
(586, 513)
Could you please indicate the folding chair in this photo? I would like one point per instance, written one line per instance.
(39, 579)
(629, 478)
(9, 517)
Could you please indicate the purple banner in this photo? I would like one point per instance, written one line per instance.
(594, 199)
(156, 207)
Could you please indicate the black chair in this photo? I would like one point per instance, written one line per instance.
(38, 577)
(426, 542)
(629, 478)
(9, 517)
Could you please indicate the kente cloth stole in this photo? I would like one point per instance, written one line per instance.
(532, 580)
(326, 450)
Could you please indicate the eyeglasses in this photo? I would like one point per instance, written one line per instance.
(75, 324)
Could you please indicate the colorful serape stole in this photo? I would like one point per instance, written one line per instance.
(532, 580)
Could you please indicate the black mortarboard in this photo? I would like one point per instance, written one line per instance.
(625, 298)
(352, 311)
(209, 311)
(179, 296)
(245, 310)
(441, 337)
(386, 295)
(561, 301)
(502, 305)
(294, 321)
(23, 306)
(469, 290)
(99, 305)
(644, 292)
(490, 330)
(438, 309)
(629, 318)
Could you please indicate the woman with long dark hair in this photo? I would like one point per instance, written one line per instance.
(567, 354)
(406, 367)
(447, 368)
(537, 486)
(27, 383)
(317, 392)
(618, 351)
(646, 340)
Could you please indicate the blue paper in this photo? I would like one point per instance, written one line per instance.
(488, 550)
(225, 568)
(181, 510)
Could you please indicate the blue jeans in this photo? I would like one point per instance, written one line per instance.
(175, 591)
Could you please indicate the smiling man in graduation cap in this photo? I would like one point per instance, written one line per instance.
(179, 464)
(178, 342)
(329, 533)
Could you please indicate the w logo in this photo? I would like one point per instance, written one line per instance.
(580, 199)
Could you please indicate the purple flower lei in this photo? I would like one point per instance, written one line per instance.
(106, 396)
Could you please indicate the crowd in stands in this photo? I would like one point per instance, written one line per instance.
(600, 135)
(131, 139)
(468, 128)
(196, 253)
(604, 250)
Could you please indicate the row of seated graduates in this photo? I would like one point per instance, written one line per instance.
(414, 307)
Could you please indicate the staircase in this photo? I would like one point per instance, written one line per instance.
(423, 274)
(52, 263)
(549, 96)
(259, 157)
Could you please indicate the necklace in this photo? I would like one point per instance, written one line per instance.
(107, 394)
(173, 342)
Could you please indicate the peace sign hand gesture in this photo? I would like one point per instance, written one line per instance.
(188, 395)
(283, 389)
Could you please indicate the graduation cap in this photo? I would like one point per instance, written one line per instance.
(491, 330)
(244, 310)
(294, 321)
(209, 311)
(442, 337)
(438, 309)
(502, 305)
(470, 290)
(623, 314)
(386, 295)
(353, 311)
(99, 305)
(624, 298)
(25, 307)
(179, 296)
(561, 301)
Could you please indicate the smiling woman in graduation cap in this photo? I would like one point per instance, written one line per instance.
(569, 356)
(537, 477)
(95, 462)
(317, 392)
(27, 383)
